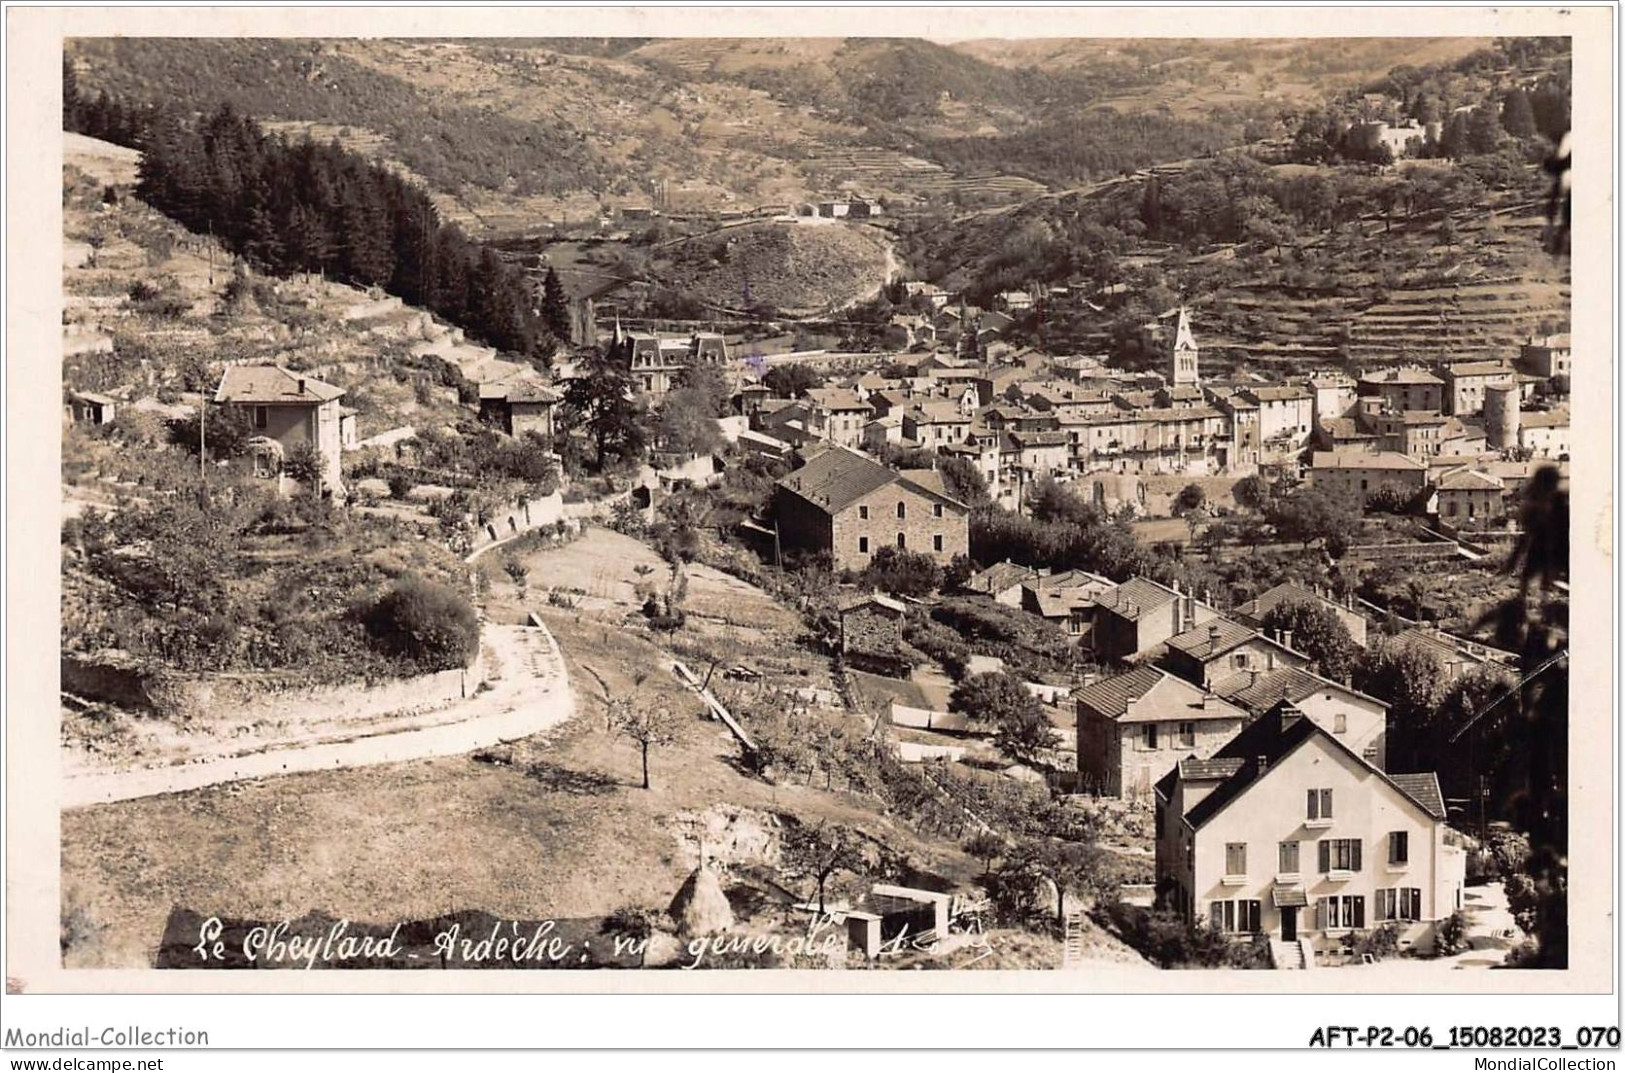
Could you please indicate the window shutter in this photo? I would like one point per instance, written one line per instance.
(1215, 914)
(1356, 864)
(1325, 850)
(1326, 803)
(1314, 805)
(1359, 910)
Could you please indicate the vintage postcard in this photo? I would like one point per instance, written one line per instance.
(908, 500)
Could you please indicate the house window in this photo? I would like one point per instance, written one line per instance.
(1239, 661)
(1399, 847)
(1320, 804)
(1398, 903)
(1187, 734)
(863, 513)
(902, 509)
(936, 510)
(1235, 858)
(1340, 855)
(1148, 735)
(1340, 723)
(863, 544)
(261, 417)
(1243, 915)
(1341, 911)
(936, 542)
(1287, 858)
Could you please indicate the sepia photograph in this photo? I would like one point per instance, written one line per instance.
(1018, 503)
(742, 510)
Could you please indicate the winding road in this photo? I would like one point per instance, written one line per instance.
(529, 692)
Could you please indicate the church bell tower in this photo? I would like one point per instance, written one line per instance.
(1182, 363)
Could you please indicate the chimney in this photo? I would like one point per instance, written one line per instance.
(301, 385)
(1179, 616)
(1252, 677)
(1286, 638)
(1269, 659)
(1213, 637)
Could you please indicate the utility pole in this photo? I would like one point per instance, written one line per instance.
(202, 453)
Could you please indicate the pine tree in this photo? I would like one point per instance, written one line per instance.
(555, 305)
(1453, 139)
(1484, 128)
(1517, 115)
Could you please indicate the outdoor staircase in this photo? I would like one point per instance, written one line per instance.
(1294, 955)
(1072, 944)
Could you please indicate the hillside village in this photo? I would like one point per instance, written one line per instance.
(1115, 616)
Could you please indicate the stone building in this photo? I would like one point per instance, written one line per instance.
(850, 506)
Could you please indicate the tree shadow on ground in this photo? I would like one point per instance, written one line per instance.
(568, 781)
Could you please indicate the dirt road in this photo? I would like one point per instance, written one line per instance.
(529, 693)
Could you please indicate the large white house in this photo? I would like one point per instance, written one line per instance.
(1287, 832)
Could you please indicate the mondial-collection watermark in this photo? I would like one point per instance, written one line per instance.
(112, 1036)
(1543, 1064)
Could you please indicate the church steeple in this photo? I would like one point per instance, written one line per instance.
(1183, 354)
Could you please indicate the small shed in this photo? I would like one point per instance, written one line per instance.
(872, 633)
(892, 918)
(90, 407)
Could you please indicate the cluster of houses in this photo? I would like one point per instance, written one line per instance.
(1276, 814)
(1460, 434)
(1457, 441)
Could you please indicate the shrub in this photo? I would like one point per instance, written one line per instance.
(1452, 935)
(940, 643)
(517, 572)
(304, 463)
(906, 573)
(428, 623)
(1169, 941)
(399, 485)
(1381, 943)
(1523, 899)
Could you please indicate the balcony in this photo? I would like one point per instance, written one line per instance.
(1288, 879)
(1397, 866)
(1318, 825)
(1232, 880)
(1340, 875)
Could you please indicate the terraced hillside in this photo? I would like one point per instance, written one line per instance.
(152, 313)
(1481, 297)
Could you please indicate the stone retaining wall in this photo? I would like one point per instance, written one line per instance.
(256, 698)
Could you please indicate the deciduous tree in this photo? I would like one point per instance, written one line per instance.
(821, 851)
